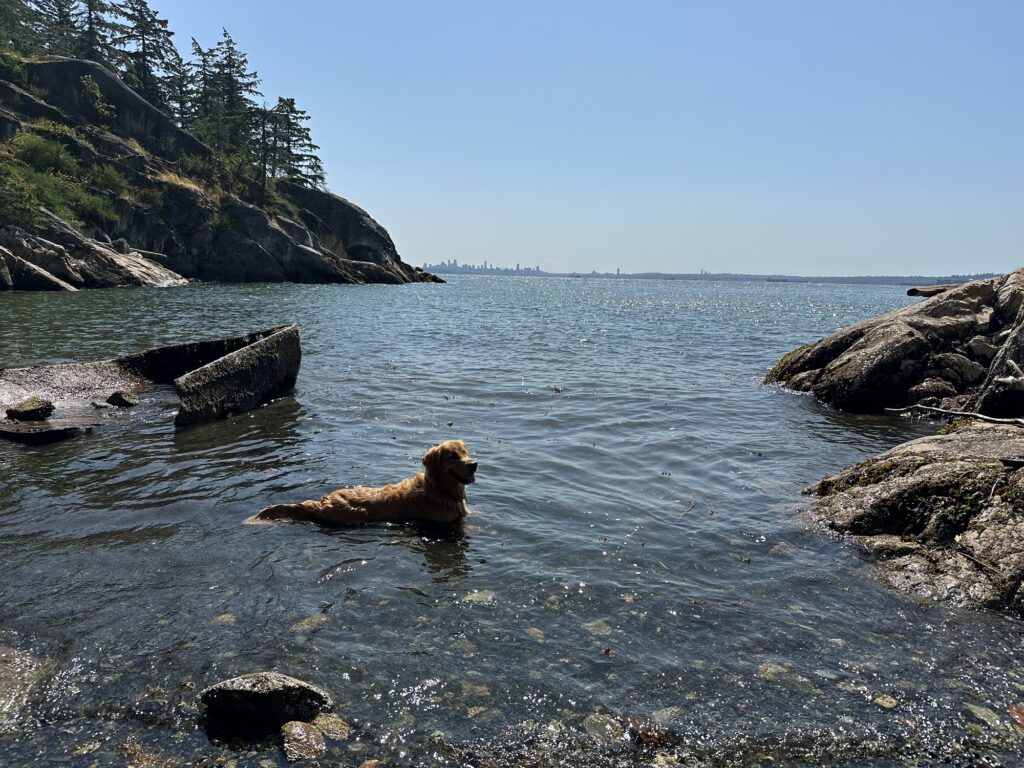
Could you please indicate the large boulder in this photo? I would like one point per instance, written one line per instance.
(943, 515)
(952, 345)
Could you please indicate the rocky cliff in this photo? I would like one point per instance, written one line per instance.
(149, 204)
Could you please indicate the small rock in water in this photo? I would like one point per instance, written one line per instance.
(309, 623)
(645, 732)
(885, 700)
(123, 399)
(604, 729)
(371, 764)
(481, 597)
(137, 757)
(599, 627)
(772, 671)
(1017, 713)
(225, 619)
(535, 634)
(332, 726)
(100, 405)
(32, 408)
(302, 741)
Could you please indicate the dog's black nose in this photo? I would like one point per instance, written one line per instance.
(472, 466)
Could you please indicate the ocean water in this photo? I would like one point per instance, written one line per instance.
(638, 543)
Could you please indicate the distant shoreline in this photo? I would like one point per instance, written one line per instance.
(910, 280)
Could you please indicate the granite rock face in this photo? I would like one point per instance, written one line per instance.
(943, 515)
(959, 349)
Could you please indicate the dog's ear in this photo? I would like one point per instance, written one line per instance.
(432, 461)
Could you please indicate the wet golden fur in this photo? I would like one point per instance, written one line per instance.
(437, 494)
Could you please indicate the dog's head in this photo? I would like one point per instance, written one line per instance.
(449, 465)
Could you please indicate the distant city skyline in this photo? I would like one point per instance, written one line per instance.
(668, 135)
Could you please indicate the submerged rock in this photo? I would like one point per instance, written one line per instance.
(19, 673)
(943, 514)
(604, 729)
(965, 343)
(32, 408)
(302, 741)
(262, 701)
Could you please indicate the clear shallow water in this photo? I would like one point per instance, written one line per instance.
(636, 544)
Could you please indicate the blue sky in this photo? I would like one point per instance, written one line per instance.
(800, 137)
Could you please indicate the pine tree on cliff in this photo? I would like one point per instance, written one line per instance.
(149, 53)
(99, 24)
(294, 151)
(56, 26)
(18, 26)
(234, 89)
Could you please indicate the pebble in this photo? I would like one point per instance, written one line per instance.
(535, 634)
(225, 619)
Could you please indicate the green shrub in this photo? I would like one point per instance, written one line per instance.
(43, 154)
(92, 209)
(94, 97)
(49, 127)
(107, 177)
(19, 204)
(12, 68)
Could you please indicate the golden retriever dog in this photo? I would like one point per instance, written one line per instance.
(437, 495)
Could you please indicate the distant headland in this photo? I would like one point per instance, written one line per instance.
(454, 268)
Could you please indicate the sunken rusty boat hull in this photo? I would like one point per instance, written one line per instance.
(213, 379)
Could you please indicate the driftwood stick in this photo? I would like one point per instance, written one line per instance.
(968, 414)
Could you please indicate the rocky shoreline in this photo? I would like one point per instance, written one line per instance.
(943, 516)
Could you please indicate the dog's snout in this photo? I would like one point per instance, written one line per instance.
(472, 466)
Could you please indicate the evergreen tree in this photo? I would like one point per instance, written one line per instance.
(18, 25)
(150, 52)
(234, 87)
(292, 149)
(99, 24)
(56, 26)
